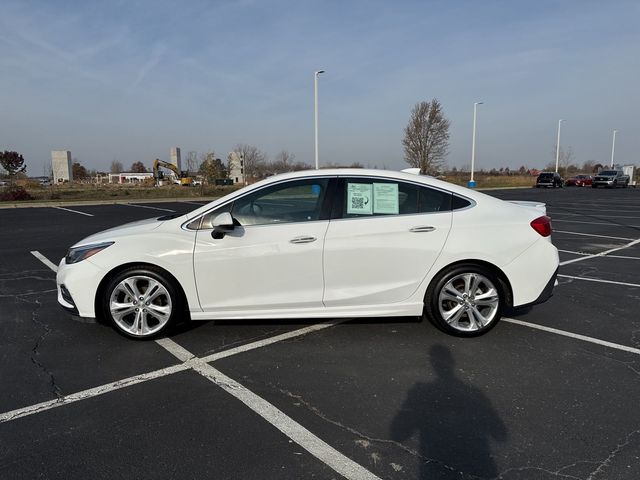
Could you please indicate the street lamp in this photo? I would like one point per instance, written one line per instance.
(613, 146)
(558, 145)
(472, 183)
(315, 104)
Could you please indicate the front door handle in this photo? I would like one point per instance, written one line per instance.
(303, 239)
(424, 228)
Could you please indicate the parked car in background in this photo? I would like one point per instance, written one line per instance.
(319, 244)
(579, 181)
(549, 179)
(611, 179)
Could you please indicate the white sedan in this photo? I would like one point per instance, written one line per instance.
(319, 244)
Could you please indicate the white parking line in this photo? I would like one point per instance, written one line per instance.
(292, 429)
(595, 223)
(45, 260)
(598, 255)
(74, 211)
(163, 372)
(601, 254)
(90, 393)
(145, 206)
(590, 234)
(599, 280)
(577, 336)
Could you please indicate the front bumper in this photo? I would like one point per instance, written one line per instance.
(77, 286)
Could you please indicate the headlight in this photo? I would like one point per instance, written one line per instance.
(77, 254)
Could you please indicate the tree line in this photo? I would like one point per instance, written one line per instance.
(425, 145)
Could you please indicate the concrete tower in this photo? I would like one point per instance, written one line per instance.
(236, 167)
(174, 157)
(61, 166)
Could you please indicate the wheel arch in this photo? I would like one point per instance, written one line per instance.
(482, 263)
(116, 270)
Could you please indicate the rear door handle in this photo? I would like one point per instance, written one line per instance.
(303, 239)
(424, 228)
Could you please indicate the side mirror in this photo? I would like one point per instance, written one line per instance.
(222, 224)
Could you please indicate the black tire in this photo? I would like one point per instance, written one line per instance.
(150, 314)
(464, 326)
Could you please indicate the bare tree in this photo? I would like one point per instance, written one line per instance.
(283, 162)
(426, 137)
(138, 167)
(253, 160)
(565, 159)
(116, 166)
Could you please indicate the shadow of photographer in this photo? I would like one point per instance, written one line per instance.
(455, 422)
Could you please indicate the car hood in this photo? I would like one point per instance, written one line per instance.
(121, 231)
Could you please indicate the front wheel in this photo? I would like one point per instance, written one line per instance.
(465, 301)
(141, 302)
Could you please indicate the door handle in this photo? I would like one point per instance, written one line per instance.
(424, 228)
(303, 239)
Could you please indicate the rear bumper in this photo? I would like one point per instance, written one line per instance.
(546, 293)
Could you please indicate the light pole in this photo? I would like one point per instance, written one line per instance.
(315, 105)
(613, 146)
(558, 145)
(472, 183)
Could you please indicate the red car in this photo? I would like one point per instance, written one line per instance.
(579, 181)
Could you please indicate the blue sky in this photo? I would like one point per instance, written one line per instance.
(128, 80)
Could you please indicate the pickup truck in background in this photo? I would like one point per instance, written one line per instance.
(611, 179)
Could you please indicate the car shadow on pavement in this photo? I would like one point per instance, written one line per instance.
(455, 423)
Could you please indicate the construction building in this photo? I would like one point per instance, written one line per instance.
(174, 157)
(236, 167)
(61, 166)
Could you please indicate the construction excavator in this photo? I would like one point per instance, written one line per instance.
(158, 175)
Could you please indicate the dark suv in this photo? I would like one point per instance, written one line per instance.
(549, 179)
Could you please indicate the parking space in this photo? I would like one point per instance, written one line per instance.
(551, 392)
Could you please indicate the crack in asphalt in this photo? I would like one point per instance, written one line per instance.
(34, 350)
(607, 461)
(368, 438)
(28, 293)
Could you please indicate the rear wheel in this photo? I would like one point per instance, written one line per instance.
(141, 302)
(465, 301)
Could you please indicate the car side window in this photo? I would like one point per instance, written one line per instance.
(376, 197)
(294, 201)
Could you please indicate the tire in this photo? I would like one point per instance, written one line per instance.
(451, 302)
(141, 302)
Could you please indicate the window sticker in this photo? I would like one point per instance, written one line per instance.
(359, 198)
(385, 198)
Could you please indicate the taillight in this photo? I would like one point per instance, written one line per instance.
(542, 225)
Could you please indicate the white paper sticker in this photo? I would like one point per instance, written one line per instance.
(359, 198)
(385, 198)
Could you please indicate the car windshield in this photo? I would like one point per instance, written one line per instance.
(608, 172)
(546, 175)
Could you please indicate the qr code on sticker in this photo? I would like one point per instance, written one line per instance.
(357, 202)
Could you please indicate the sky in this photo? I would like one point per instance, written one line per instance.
(128, 80)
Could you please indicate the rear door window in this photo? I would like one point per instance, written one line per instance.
(368, 197)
